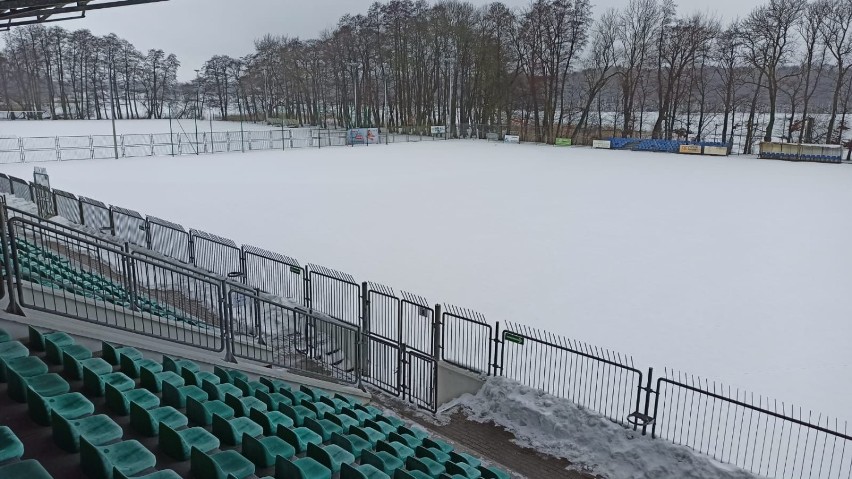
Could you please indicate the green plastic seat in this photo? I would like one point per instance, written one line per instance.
(37, 338)
(319, 409)
(330, 456)
(323, 427)
(250, 388)
(4, 336)
(335, 402)
(264, 450)
(352, 443)
(314, 393)
(231, 431)
(98, 430)
(112, 354)
(437, 444)
(357, 414)
(45, 385)
(368, 434)
(94, 383)
(201, 413)
(462, 469)
(220, 465)
(11, 350)
(195, 378)
(272, 400)
(295, 396)
(128, 457)
(119, 401)
(384, 427)
(147, 421)
(465, 458)
(28, 366)
(372, 411)
(30, 469)
(242, 406)
(74, 367)
(218, 391)
(299, 437)
(228, 375)
(408, 440)
(304, 468)
(400, 426)
(178, 443)
(270, 420)
(398, 449)
(69, 406)
(452, 476)
(153, 381)
(342, 420)
(364, 471)
(424, 464)
(404, 474)
(175, 396)
(55, 352)
(383, 461)
(275, 385)
(436, 455)
(164, 474)
(297, 413)
(10, 446)
(490, 472)
(131, 367)
(178, 365)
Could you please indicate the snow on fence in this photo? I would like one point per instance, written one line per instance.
(353, 332)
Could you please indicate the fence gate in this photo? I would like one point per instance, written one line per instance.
(400, 345)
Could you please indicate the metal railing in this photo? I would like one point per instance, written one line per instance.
(758, 434)
(267, 307)
(134, 145)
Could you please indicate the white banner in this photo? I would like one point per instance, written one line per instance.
(512, 139)
(600, 144)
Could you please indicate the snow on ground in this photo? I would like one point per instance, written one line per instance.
(24, 128)
(736, 269)
(560, 428)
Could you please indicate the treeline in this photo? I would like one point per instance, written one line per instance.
(550, 69)
(77, 75)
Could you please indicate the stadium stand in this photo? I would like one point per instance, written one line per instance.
(264, 427)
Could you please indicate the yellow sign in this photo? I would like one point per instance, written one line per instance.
(691, 149)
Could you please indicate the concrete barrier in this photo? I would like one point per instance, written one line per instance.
(454, 381)
(716, 150)
(601, 144)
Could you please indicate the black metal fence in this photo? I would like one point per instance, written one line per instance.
(267, 307)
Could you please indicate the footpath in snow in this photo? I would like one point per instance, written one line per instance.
(560, 428)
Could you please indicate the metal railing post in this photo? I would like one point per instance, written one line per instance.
(648, 392)
(437, 332)
(8, 238)
(497, 368)
(130, 275)
(225, 308)
(365, 331)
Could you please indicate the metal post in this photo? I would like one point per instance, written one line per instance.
(197, 98)
(365, 330)
(171, 134)
(227, 323)
(13, 307)
(648, 398)
(114, 137)
(436, 334)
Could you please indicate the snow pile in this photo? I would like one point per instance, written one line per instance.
(561, 428)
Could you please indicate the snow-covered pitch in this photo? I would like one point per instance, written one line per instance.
(735, 269)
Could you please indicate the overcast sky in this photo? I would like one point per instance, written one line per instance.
(195, 30)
